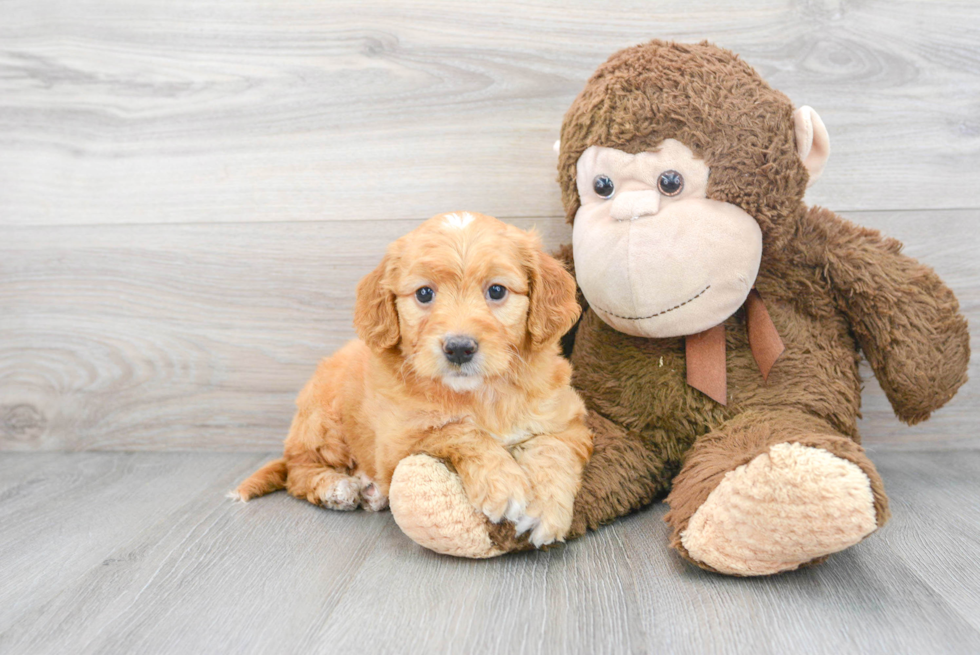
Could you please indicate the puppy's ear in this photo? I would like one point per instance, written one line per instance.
(551, 294)
(375, 314)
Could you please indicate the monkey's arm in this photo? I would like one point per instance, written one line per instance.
(564, 255)
(904, 317)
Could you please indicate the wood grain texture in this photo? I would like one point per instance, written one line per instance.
(145, 111)
(198, 337)
(180, 569)
(930, 538)
(175, 337)
(63, 517)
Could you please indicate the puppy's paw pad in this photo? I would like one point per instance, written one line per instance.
(372, 499)
(343, 494)
(499, 494)
(525, 523)
(494, 515)
(515, 509)
(548, 520)
(510, 508)
(552, 525)
(543, 534)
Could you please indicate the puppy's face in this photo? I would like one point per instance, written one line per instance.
(464, 298)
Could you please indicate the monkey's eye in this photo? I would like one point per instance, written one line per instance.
(425, 295)
(670, 183)
(603, 186)
(496, 292)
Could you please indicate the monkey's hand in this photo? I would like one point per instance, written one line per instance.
(906, 320)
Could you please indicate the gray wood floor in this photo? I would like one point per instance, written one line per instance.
(141, 552)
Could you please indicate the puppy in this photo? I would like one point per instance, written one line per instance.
(458, 358)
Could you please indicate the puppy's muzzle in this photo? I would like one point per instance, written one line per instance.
(460, 350)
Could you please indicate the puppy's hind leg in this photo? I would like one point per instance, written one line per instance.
(317, 460)
(312, 479)
(337, 490)
(373, 499)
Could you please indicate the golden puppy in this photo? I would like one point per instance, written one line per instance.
(458, 357)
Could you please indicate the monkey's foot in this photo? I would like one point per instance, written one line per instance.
(783, 509)
(431, 507)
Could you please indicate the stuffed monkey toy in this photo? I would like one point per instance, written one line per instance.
(723, 323)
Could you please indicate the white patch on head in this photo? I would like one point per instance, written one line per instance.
(461, 383)
(457, 221)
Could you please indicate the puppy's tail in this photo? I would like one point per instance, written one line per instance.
(267, 479)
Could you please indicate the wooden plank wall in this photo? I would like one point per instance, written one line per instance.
(189, 190)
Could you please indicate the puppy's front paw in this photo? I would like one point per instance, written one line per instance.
(500, 489)
(340, 493)
(548, 532)
(547, 521)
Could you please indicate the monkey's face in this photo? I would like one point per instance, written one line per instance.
(653, 255)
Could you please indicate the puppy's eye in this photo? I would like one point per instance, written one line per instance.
(496, 292)
(603, 186)
(425, 295)
(670, 183)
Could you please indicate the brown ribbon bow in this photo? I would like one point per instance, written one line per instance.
(705, 351)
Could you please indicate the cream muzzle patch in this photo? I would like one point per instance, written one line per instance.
(655, 263)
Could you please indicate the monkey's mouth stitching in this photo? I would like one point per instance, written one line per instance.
(661, 313)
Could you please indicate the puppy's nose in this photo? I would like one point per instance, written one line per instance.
(460, 350)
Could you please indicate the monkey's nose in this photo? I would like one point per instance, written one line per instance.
(460, 350)
(633, 205)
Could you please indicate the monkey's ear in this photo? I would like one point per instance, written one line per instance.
(812, 141)
(375, 314)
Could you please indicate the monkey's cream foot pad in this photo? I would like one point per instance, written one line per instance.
(430, 506)
(781, 510)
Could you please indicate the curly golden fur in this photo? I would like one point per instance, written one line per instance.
(507, 419)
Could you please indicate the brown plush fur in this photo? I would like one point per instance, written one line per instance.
(834, 290)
